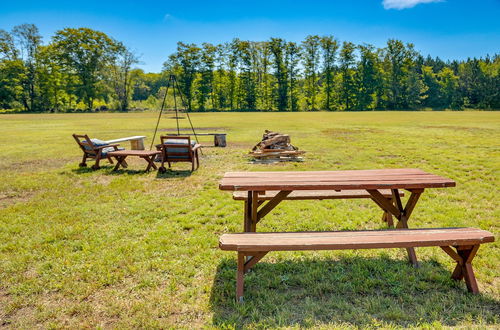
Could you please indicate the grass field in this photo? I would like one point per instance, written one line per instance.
(83, 248)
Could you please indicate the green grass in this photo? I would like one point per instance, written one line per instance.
(83, 248)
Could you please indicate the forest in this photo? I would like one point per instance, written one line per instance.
(81, 69)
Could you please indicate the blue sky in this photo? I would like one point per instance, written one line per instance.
(450, 29)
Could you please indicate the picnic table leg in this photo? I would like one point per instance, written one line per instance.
(402, 213)
(463, 270)
(240, 275)
(254, 205)
(247, 213)
(256, 209)
(246, 260)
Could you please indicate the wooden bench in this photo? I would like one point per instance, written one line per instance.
(459, 243)
(219, 138)
(136, 142)
(321, 195)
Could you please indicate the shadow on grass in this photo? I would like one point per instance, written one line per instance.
(169, 174)
(355, 291)
(88, 169)
(108, 170)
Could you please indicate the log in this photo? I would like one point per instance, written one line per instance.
(282, 140)
(220, 140)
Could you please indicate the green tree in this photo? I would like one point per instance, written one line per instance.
(232, 64)
(277, 47)
(207, 65)
(12, 71)
(329, 47)
(347, 60)
(430, 79)
(264, 80)
(220, 76)
(394, 57)
(28, 38)
(8, 49)
(185, 62)
(51, 80)
(414, 88)
(311, 57)
(369, 78)
(86, 53)
(293, 53)
(246, 53)
(122, 77)
(448, 85)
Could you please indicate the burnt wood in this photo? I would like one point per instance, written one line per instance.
(252, 247)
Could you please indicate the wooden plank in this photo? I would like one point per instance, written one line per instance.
(129, 138)
(297, 176)
(384, 203)
(254, 204)
(401, 238)
(452, 254)
(332, 186)
(343, 172)
(253, 260)
(315, 194)
(269, 206)
(361, 179)
(334, 180)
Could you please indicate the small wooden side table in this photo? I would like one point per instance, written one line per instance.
(147, 155)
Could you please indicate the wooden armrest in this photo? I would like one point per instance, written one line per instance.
(196, 147)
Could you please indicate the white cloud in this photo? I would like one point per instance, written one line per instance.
(403, 4)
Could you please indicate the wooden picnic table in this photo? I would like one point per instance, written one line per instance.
(257, 183)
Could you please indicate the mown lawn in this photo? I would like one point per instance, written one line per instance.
(83, 248)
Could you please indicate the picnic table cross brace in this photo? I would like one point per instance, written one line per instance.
(402, 213)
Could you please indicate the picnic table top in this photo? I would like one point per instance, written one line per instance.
(135, 137)
(402, 178)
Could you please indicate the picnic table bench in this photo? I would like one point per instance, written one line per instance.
(136, 142)
(459, 243)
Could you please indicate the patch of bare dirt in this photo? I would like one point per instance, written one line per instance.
(348, 134)
(11, 198)
(36, 165)
(459, 128)
(240, 145)
(9, 315)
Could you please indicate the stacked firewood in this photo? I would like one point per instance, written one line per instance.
(276, 146)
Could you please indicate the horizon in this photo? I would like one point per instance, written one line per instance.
(450, 30)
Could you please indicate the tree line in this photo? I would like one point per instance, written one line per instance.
(78, 68)
(86, 69)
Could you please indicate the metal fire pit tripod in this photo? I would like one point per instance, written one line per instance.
(172, 83)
